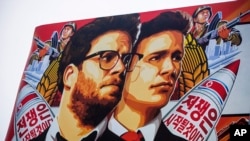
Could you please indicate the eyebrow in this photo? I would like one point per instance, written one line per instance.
(158, 52)
(162, 52)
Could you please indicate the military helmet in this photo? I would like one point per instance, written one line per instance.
(72, 24)
(197, 11)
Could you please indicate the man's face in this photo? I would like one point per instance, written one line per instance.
(203, 16)
(153, 79)
(67, 32)
(97, 91)
(98, 86)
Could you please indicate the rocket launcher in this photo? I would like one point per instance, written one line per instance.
(198, 111)
(32, 114)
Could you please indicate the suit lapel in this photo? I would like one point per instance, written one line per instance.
(109, 136)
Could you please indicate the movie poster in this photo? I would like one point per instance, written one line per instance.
(169, 74)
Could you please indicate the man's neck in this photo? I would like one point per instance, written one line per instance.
(70, 126)
(200, 26)
(64, 42)
(134, 116)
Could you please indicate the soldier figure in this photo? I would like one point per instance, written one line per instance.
(201, 23)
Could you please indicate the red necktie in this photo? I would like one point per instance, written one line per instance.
(132, 136)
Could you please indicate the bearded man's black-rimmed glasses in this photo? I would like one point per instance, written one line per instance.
(109, 58)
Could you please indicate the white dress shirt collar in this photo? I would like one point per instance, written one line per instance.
(148, 131)
(54, 129)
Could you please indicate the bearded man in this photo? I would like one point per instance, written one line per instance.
(91, 76)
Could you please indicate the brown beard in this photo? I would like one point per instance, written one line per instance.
(88, 106)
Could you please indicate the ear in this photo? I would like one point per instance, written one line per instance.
(70, 75)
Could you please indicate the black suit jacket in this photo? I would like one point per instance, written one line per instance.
(163, 134)
(42, 137)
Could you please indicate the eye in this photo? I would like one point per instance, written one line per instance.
(108, 56)
(126, 58)
(155, 58)
(177, 56)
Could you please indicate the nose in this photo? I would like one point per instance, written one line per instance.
(118, 68)
(206, 14)
(167, 67)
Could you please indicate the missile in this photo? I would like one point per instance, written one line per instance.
(196, 114)
(32, 114)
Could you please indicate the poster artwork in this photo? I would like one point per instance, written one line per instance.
(171, 74)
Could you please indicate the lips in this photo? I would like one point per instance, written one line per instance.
(117, 83)
(162, 86)
(112, 89)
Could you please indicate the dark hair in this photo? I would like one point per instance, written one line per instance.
(80, 43)
(165, 21)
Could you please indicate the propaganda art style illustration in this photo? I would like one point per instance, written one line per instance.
(172, 74)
